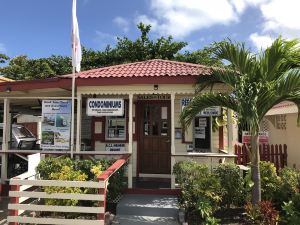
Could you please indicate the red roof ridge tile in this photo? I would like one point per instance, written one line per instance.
(152, 67)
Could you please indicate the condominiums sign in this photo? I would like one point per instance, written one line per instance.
(105, 107)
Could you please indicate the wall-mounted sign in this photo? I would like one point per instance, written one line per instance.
(115, 147)
(210, 111)
(56, 120)
(200, 132)
(189, 147)
(153, 97)
(202, 122)
(263, 137)
(105, 107)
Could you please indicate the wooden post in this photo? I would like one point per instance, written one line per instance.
(14, 200)
(285, 154)
(102, 191)
(221, 137)
(236, 153)
(280, 157)
(276, 157)
(272, 154)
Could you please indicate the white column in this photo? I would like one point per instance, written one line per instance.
(129, 175)
(173, 123)
(172, 175)
(78, 127)
(229, 131)
(130, 140)
(130, 124)
(172, 139)
(5, 139)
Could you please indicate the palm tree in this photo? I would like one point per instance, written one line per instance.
(256, 82)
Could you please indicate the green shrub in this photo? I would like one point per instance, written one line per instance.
(52, 165)
(289, 185)
(233, 183)
(66, 173)
(291, 211)
(197, 183)
(85, 166)
(206, 211)
(270, 181)
(50, 168)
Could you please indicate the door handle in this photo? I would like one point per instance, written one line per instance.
(167, 141)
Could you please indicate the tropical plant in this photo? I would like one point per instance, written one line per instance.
(262, 214)
(255, 82)
(201, 191)
(289, 185)
(270, 181)
(291, 210)
(233, 183)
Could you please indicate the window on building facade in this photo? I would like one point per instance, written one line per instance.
(202, 134)
(115, 128)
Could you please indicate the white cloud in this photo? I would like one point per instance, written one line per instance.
(2, 48)
(182, 17)
(282, 17)
(122, 23)
(261, 41)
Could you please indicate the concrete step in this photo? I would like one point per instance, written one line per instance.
(143, 220)
(148, 205)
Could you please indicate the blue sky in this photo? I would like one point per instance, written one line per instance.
(40, 28)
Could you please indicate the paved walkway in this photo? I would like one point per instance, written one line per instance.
(147, 210)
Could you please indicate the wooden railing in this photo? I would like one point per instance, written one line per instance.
(276, 154)
(26, 187)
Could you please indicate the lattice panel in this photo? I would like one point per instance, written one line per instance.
(280, 121)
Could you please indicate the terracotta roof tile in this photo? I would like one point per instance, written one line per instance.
(149, 68)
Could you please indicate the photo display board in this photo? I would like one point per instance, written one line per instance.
(56, 124)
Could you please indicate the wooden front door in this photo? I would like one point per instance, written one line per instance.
(154, 137)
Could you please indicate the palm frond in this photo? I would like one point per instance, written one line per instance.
(241, 59)
(202, 101)
(219, 75)
(279, 58)
(289, 83)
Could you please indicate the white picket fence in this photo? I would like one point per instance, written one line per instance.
(26, 187)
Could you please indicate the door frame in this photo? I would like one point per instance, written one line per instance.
(139, 116)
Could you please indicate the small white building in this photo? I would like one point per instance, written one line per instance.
(154, 93)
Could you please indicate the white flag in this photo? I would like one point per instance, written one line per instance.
(76, 47)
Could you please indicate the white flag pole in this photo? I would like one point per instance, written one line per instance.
(73, 111)
(76, 60)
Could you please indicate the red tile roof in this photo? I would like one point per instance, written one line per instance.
(149, 68)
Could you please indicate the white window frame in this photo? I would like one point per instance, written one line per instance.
(125, 127)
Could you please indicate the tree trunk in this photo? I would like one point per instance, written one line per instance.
(255, 171)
